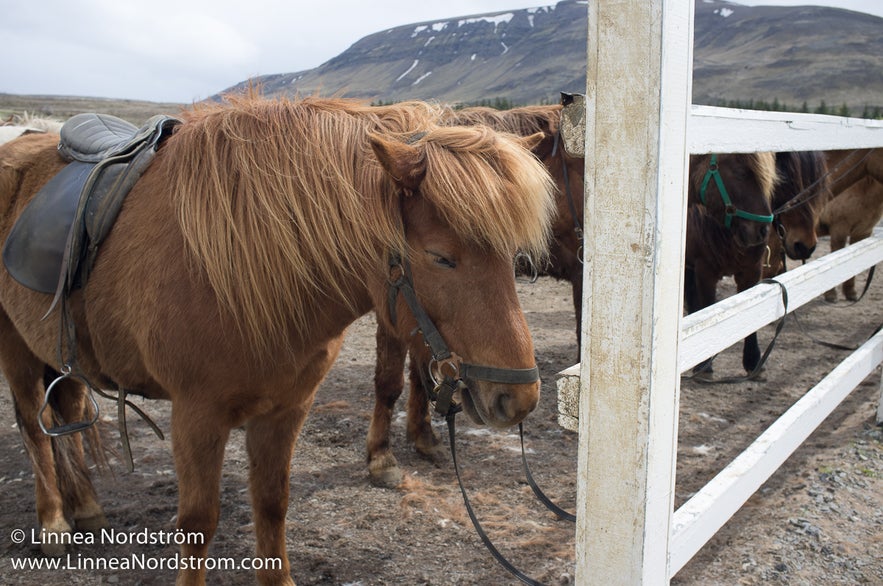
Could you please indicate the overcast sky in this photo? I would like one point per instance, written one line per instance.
(187, 50)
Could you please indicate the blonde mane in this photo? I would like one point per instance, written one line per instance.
(283, 201)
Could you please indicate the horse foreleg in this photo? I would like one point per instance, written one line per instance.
(420, 431)
(838, 241)
(270, 443)
(270, 440)
(750, 348)
(24, 373)
(198, 442)
(849, 284)
(389, 380)
(74, 479)
(700, 288)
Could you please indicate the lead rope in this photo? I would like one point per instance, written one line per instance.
(766, 354)
(537, 491)
(475, 523)
(834, 345)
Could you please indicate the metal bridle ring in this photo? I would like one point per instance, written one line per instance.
(437, 367)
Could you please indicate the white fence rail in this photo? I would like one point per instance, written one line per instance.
(710, 330)
(639, 131)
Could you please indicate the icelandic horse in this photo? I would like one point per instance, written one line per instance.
(261, 229)
(856, 205)
(564, 262)
(728, 222)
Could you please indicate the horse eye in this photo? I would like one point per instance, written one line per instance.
(440, 260)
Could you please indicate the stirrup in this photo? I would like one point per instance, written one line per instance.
(67, 428)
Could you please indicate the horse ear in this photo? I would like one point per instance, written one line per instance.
(533, 141)
(405, 163)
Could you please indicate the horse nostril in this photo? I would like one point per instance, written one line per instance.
(503, 407)
(511, 408)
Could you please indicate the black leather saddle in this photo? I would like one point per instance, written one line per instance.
(53, 244)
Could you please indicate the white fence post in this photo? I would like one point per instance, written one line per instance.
(637, 100)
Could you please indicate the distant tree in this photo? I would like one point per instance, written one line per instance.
(822, 109)
(844, 110)
(805, 107)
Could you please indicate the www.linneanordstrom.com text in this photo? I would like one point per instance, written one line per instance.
(144, 562)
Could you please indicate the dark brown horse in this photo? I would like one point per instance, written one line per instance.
(856, 205)
(259, 232)
(563, 262)
(802, 191)
(728, 221)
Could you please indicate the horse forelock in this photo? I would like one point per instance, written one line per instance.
(283, 201)
(489, 189)
(764, 166)
(803, 178)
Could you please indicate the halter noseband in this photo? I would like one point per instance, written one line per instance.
(729, 208)
(447, 370)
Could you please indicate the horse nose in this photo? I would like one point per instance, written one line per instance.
(802, 251)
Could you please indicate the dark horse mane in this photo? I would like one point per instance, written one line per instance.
(805, 180)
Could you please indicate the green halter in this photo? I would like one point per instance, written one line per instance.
(730, 209)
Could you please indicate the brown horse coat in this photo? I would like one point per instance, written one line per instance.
(857, 203)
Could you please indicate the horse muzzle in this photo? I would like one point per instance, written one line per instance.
(499, 405)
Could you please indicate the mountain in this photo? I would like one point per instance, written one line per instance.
(789, 54)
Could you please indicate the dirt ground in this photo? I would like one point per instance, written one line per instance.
(817, 521)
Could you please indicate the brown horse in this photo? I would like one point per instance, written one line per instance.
(259, 232)
(727, 238)
(857, 203)
(563, 262)
(802, 191)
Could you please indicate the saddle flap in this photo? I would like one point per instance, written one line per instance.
(92, 137)
(34, 249)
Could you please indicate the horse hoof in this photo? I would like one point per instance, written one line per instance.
(92, 524)
(434, 453)
(384, 471)
(427, 444)
(53, 543)
(386, 477)
(704, 375)
(831, 296)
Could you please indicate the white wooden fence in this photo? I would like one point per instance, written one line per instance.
(640, 129)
